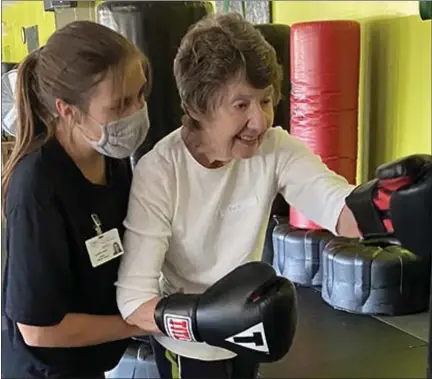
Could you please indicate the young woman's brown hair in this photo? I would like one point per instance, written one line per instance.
(68, 67)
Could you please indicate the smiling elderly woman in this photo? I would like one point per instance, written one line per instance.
(200, 200)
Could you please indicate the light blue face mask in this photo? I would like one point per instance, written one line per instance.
(122, 137)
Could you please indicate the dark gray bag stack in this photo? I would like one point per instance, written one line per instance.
(298, 253)
(374, 277)
(371, 276)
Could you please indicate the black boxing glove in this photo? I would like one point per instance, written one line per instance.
(251, 312)
(398, 202)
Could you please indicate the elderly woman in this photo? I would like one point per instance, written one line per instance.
(200, 200)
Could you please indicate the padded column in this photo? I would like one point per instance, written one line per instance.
(324, 65)
(325, 61)
(278, 36)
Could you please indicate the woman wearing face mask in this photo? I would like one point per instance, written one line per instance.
(81, 111)
(200, 200)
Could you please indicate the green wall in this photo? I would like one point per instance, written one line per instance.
(395, 73)
(23, 14)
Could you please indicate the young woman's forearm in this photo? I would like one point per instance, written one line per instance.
(77, 330)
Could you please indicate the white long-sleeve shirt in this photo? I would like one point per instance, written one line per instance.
(188, 226)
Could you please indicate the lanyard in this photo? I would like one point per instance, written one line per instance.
(97, 223)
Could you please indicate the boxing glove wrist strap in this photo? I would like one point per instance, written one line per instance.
(175, 316)
(360, 202)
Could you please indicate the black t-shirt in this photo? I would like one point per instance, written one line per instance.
(48, 271)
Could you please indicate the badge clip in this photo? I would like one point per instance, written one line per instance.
(97, 224)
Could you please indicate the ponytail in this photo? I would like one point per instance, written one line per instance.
(29, 110)
(73, 61)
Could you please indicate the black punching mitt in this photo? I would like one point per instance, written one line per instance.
(397, 202)
(251, 312)
(411, 212)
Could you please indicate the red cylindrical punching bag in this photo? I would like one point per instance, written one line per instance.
(325, 64)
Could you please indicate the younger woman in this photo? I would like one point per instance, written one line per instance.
(81, 113)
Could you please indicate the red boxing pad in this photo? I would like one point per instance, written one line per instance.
(325, 64)
(386, 187)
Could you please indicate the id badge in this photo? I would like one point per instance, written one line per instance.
(104, 247)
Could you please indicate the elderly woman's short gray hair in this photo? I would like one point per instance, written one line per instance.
(217, 50)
